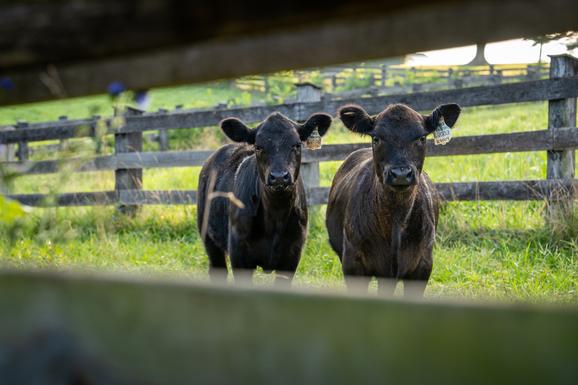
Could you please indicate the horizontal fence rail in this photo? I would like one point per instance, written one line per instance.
(467, 145)
(538, 90)
(559, 141)
(383, 79)
(464, 191)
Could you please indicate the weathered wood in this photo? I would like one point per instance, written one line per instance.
(165, 159)
(7, 152)
(464, 191)
(468, 145)
(22, 151)
(67, 199)
(124, 197)
(161, 43)
(50, 130)
(474, 96)
(177, 197)
(308, 93)
(125, 178)
(207, 117)
(310, 174)
(465, 145)
(107, 330)
(561, 113)
(540, 190)
(163, 139)
(473, 191)
(145, 122)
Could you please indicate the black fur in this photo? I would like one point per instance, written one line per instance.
(378, 228)
(269, 231)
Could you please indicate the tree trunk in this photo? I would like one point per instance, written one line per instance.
(479, 59)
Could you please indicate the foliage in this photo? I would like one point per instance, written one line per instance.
(356, 79)
(10, 210)
(570, 39)
(570, 36)
(498, 250)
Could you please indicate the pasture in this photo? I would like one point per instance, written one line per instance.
(497, 250)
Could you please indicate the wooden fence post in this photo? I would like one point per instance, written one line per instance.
(22, 152)
(307, 92)
(97, 135)
(383, 75)
(561, 113)
(164, 134)
(128, 179)
(266, 86)
(7, 153)
(63, 142)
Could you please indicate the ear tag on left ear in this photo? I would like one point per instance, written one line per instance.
(314, 140)
(442, 134)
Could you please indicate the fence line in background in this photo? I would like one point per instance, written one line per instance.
(383, 78)
(551, 89)
(559, 140)
(545, 140)
(530, 190)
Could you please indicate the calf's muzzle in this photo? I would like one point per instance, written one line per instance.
(279, 179)
(400, 176)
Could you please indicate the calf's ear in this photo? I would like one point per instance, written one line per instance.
(450, 113)
(356, 119)
(320, 121)
(237, 131)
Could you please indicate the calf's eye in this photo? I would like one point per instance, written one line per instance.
(422, 139)
(258, 148)
(375, 140)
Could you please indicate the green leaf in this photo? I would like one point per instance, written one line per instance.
(11, 210)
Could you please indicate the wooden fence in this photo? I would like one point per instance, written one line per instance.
(560, 140)
(78, 329)
(384, 79)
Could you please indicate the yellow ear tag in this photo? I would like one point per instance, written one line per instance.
(442, 134)
(314, 140)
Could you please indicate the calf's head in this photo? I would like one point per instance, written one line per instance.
(277, 141)
(398, 139)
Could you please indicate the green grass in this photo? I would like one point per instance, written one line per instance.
(498, 250)
(505, 254)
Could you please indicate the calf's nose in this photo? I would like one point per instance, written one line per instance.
(279, 178)
(401, 176)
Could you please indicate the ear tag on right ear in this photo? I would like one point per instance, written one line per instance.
(314, 140)
(442, 134)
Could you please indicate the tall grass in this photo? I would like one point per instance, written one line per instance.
(499, 250)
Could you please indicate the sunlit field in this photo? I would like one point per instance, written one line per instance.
(497, 250)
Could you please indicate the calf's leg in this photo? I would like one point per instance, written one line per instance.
(286, 271)
(243, 265)
(386, 286)
(217, 261)
(289, 252)
(356, 277)
(414, 284)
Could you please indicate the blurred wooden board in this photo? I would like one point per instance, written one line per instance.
(70, 48)
(108, 330)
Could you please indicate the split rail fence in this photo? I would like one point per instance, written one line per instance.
(386, 79)
(560, 140)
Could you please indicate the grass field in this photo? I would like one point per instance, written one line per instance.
(498, 250)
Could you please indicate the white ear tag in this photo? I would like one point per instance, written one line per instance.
(314, 140)
(442, 134)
